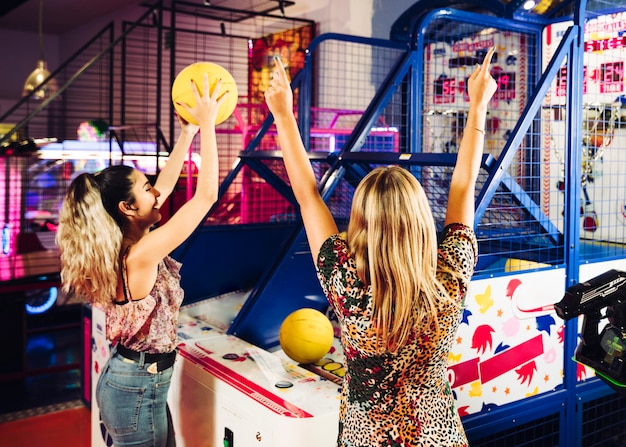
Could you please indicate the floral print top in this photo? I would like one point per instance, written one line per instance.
(402, 399)
(150, 324)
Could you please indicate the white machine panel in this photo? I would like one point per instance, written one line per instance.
(228, 392)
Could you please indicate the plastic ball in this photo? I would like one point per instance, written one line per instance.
(183, 93)
(306, 335)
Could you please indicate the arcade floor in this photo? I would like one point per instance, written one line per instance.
(43, 406)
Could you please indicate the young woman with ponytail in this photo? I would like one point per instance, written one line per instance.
(113, 258)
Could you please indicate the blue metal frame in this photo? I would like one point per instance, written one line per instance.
(403, 28)
(406, 68)
(509, 416)
(573, 163)
(306, 102)
(370, 116)
(259, 319)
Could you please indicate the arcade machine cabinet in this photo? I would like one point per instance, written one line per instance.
(227, 392)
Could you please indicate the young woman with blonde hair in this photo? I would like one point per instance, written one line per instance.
(111, 256)
(397, 293)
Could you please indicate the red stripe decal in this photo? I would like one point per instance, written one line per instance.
(245, 386)
(464, 372)
(511, 358)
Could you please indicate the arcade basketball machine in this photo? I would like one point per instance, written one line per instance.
(544, 172)
(558, 66)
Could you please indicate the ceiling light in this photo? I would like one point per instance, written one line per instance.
(40, 74)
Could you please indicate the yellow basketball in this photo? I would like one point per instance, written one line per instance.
(182, 92)
(306, 335)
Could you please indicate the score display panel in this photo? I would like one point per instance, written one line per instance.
(459, 61)
(447, 68)
(446, 88)
(604, 51)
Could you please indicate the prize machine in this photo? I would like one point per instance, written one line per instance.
(225, 389)
(602, 132)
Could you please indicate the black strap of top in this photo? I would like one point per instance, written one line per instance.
(124, 278)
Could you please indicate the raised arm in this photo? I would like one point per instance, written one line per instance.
(160, 242)
(168, 177)
(481, 87)
(318, 221)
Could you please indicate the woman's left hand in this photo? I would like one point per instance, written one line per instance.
(278, 96)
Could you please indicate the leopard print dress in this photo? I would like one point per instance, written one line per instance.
(402, 399)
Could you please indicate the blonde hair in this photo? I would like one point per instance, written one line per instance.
(89, 235)
(393, 238)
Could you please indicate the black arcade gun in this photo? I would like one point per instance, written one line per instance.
(598, 299)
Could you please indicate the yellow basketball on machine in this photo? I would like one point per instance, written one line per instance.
(306, 335)
(182, 92)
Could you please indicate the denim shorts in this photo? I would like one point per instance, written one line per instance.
(133, 404)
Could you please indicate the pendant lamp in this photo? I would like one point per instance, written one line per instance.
(41, 73)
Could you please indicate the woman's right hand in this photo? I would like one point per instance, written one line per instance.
(481, 86)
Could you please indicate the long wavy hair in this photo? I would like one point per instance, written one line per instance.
(90, 233)
(393, 238)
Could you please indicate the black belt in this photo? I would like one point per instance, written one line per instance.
(155, 362)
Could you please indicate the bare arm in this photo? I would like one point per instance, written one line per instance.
(481, 87)
(318, 221)
(168, 177)
(160, 242)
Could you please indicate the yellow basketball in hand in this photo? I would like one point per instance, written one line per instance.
(182, 92)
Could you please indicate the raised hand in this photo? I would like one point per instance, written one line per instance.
(481, 85)
(278, 96)
(187, 127)
(207, 105)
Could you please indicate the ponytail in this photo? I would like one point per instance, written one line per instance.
(89, 235)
